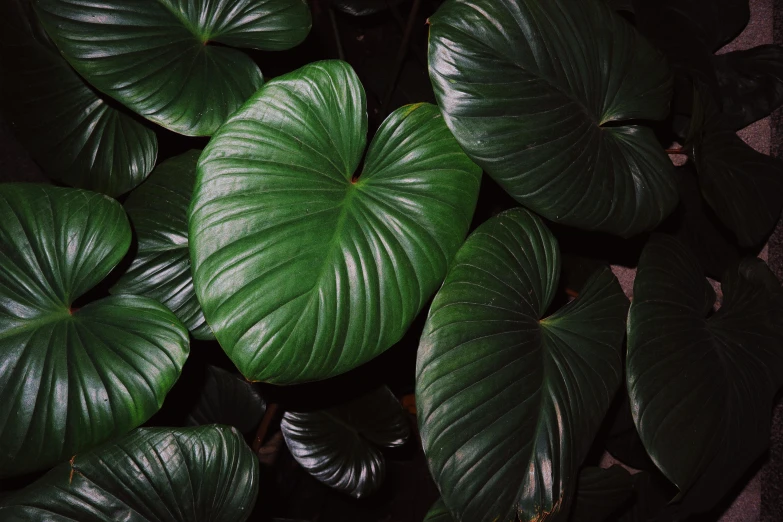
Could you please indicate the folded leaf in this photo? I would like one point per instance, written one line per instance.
(172, 61)
(73, 378)
(205, 474)
(306, 269)
(227, 399)
(544, 96)
(509, 400)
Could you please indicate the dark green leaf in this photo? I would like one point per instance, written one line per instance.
(363, 7)
(509, 402)
(160, 58)
(542, 96)
(228, 399)
(600, 493)
(701, 385)
(744, 187)
(305, 272)
(158, 211)
(751, 84)
(438, 513)
(71, 379)
(205, 474)
(621, 5)
(338, 445)
(75, 135)
(651, 495)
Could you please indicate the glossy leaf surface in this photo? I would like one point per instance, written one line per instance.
(76, 136)
(438, 513)
(556, 133)
(509, 400)
(158, 211)
(339, 445)
(751, 83)
(205, 474)
(228, 399)
(701, 384)
(305, 271)
(600, 493)
(73, 378)
(174, 61)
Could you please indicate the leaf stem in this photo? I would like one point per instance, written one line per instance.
(263, 427)
(401, 53)
(336, 33)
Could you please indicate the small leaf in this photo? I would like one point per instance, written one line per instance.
(205, 474)
(509, 401)
(701, 385)
(174, 62)
(228, 399)
(558, 134)
(600, 493)
(160, 270)
(363, 7)
(438, 513)
(751, 84)
(77, 137)
(306, 269)
(338, 445)
(71, 379)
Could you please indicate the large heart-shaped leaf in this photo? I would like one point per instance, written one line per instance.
(227, 399)
(509, 401)
(751, 84)
(70, 379)
(158, 211)
(744, 187)
(305, 269)
(541, 94)
(339, 445)
(75, 135)
(701, 385)
(173, 61)
(205, 474)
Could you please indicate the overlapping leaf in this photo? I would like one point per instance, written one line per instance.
(509, 401)
(73, 133)
(158, 211)
(339, 445)
(438, 513)
(304, 268)
(70, 379)
(205, 474)
(542, 96)
(600, 493)
(228, 399)
(173, 61)
(701, 384)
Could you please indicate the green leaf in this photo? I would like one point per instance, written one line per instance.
(701, 384)
(509, 401)
(543, 95)
(76, 136)
(363, 7)
(205, 474)
(227, 399)
(438, 513)
(305, 271)
(339, 445)
(751, 83)
(744, 187)
(600, 493)
(73, 378)
(172, 61)
(160, 270)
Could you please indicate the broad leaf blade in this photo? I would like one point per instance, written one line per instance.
(155, 56)
(71, 379)
(509, 403)
(438, 513)
(228, 399)
(600, 493)
(304, 272)
(701, 387)
(556, 133)
(160, 270)
(340, 446)
(205, 474)
(74, 134)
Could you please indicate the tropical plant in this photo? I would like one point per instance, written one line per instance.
(265, 271)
